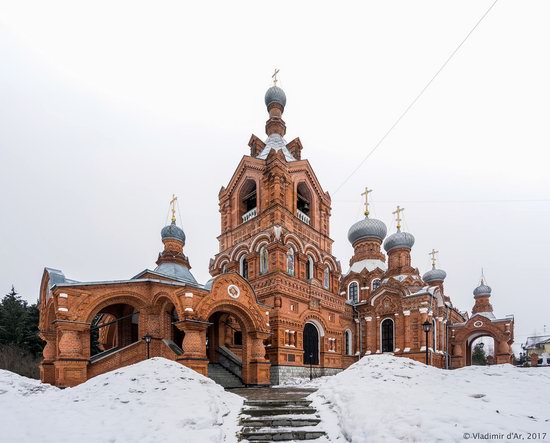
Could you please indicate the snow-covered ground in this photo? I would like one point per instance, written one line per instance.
(385, 399)
(152, 401)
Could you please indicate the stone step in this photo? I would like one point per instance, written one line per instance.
(286, 421)
(283, 410)
(277, 403)
(223, 377)
(253, 435)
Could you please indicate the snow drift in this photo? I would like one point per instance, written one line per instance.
(385, 399)
(156, 400)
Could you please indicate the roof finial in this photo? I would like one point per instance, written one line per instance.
(274, 77)
(397, 213)
(173, 204)
(434, 259)
(482, 277)
(366, 194)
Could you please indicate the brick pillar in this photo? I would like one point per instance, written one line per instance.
(47, 368)
(73, 353)
(258, 372)
(194, 345)
(407, 341)
(370, 336)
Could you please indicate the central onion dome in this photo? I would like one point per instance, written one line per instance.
(275, 95)
(482, 290)
(399, 240)
(173, 231)
(434, 275)
(367, 228)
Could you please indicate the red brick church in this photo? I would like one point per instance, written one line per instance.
(278, 304)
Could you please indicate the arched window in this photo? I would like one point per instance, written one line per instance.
(247, 201)
(303, 203)
(353, 292)
(243, 266)
(224, 268)
(347, 339)
(326, 278)
(386, 333)
(290, 261)
(376, 284)
(434, 334)
(309, 269)
(263, 260)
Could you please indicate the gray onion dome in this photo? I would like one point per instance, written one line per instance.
(173, 231)
(399, 240)
(482, 290)
(275, 94)
(367, 228)
(434, 275)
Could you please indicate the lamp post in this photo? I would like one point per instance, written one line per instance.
(426, 326)
(310, 366)
(147, 339)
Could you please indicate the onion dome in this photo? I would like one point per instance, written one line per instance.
(399, 240)
(434, 275)
(482, 290)
(367, 228)
(275, 95)
(173, 231)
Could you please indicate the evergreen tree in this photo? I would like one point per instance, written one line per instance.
(478, 355)
(14, 319)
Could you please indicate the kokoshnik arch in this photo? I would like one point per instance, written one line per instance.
(278, 303)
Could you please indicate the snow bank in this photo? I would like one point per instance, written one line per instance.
(156, 400)
(385, 399)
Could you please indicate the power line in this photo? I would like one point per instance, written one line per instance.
(542, 200)
(362, 162)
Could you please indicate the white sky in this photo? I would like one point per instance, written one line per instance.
(107, 108)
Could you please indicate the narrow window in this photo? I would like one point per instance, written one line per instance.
(387, 335)
(347, 338)
(326, 278)
(244, 266)
(263, 260)
(290, 261)
(375, 284)
(353, 292)
(309, 269)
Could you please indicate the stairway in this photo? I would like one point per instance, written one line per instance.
(279, 420)
(223, 377)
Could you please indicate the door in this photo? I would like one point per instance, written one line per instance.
(311, 345)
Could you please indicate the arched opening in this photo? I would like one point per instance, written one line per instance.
(303, 203)
(248, 201)
(309, 269)
(348, 342)
(264, 260)
(353, 292)
(311, 344)
(386, 335)
(113, 327)
(480, 350)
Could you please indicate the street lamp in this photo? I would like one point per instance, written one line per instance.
(310, 366)
(147, 339)
(426, 326)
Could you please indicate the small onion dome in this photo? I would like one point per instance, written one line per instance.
(399, 240)
(173, 231)
(275, 95)
(482, 290)
(367, 228)
(434, 275)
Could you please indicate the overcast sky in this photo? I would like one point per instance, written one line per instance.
(107, 108)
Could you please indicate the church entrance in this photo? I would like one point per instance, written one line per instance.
(387, 335)
(480, 351)
(311, 344)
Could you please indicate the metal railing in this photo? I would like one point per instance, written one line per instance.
(302, 216)
(250, 215)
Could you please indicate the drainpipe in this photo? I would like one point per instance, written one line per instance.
(360, 331)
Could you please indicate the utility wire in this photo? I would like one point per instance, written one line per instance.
(415, 99)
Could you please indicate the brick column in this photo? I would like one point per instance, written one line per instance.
(194, 345)
(73, 353)
(407, 342)
(47, 368)
(258, 372)
(370, 338)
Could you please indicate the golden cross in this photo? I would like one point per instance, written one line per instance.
(397, 213)
(173, 204)
(274, 77)
(366, 194)
(433, 253)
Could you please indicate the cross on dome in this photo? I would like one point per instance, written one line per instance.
(398, 218)
(173, 205)
(434, 259)
(274, 77)
(366, 194)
